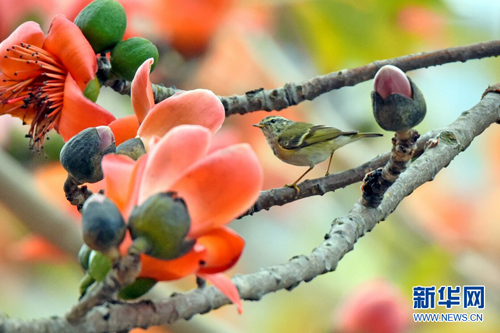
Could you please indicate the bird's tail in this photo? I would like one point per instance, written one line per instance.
(356, 135)
(368, 135)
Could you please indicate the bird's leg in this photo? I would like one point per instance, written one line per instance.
(329, 163)
(294, 185)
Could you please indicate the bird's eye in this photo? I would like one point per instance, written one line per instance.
(273, 120)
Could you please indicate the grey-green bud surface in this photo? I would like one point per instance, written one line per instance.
(103, 226)
(81, 156)
(163, 222)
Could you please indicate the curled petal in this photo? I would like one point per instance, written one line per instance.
(166, 270)
(78, 112)
(224, 247)
(172, 156)
(196, 107)
(29, 33)
(141, 91)
(66, 41)
(220, 187)
(224, 284)
(124, 128)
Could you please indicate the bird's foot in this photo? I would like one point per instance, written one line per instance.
(294, 185)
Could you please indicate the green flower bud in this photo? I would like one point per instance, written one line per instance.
(136, 289)
(398, 104)
(83, 256)
(92, 90)
(99, 266)
(160, 226)
(85, 283)
(103, 23)
(81, 156)
(103, 226)
(130, 54)
(133, 148)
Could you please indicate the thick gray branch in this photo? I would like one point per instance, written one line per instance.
(344, 233)
(295, 93)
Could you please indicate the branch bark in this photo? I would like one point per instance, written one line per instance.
(294, 93)
(344, 233)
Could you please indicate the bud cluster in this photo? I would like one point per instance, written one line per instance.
(103, 23)
(158, 228)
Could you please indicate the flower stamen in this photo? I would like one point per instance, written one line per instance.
(40, 95)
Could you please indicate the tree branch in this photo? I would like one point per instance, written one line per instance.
(18, 192)
(295, 93)
(344, 233)
(320, 186)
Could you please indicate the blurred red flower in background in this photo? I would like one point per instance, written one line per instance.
(375, 307)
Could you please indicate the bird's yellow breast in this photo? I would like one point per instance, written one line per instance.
(306, 156)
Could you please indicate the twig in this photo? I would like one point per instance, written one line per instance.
(125, 272)
(377, 182)
(295, 93)
(344, 233)
(19, 193)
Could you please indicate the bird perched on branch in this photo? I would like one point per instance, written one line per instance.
(305, 144)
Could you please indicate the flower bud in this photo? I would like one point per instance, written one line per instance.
(81, 156)
(136, 289)
(398, 104)
(130, 54)
(99, 265)
(102, 224)
(83, 256)
(133, 148)
(161, 224)
(103, 23)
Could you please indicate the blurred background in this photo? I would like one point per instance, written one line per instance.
(445, 234)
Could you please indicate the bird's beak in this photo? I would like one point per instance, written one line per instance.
(258, 125)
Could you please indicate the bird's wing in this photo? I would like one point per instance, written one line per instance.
(315, 134)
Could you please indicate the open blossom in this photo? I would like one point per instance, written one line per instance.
(197, 106)
(42, 79)
(217, 187)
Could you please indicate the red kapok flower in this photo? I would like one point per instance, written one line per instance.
(376, 307)
(42, 80)
(217, 187)
(198, 107)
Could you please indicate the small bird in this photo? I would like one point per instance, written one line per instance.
(305, 144)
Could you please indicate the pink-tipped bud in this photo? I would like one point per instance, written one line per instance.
(391, 80)
(106, 135)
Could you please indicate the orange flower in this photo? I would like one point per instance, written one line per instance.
(42, 80)
(200, 107)
(190, 24)
(217, 187)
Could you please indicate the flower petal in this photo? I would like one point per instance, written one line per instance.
(124, 128)
(66, 41)
(141, 91)
(197, 107)
(170, 158)
(166, 270)
(29, 33)
(220, 187)
(78, 112)
(224, 247)
(122, 178)
(226, 286)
